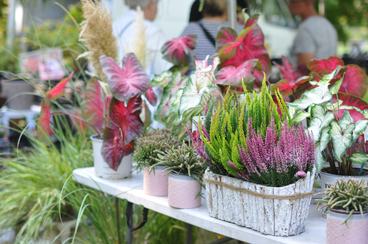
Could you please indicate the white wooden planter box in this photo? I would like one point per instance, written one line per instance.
(278, 211)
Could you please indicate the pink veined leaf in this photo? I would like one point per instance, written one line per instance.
(78, 120)
(234, 76)
(178, 50)
(123, 127)
(355, 81)
(151, 96)
(128, 81)
(44, 121)
(225, 36)
(248, 45)
(350, 100)
(58, 90)
(94, 106)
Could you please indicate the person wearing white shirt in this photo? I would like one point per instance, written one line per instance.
(125, 31)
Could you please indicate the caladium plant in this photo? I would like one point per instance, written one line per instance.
(178, 51)
(123, 123)
(330, 120)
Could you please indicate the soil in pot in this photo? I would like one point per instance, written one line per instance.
(184, 192)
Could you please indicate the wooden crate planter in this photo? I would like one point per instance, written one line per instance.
(278, 211)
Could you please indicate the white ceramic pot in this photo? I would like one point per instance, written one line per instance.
(103, 170)
(355, 230)
(155, 181)
(328, 179)
(184, 192)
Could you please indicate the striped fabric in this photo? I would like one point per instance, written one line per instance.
(204, 46)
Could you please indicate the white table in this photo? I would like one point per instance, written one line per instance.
(132, 190)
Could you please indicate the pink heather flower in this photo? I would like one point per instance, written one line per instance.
(300, 174)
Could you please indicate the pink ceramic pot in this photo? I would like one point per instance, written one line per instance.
(184, 192)
(155, 181)
(354, 231)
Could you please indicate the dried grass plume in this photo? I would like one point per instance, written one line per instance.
(97, 34)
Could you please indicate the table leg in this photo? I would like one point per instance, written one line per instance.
(129, 216)
(189, 234)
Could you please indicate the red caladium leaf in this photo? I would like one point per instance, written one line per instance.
(288, 73)
(128, 81)
(123, 126)
(248, 45)
(93, 107)
(225, 36)
(321, 67)
(44, 121)
(355, 81)
(350, 100)
(151, 96)
(233, 76)
(58, 90)
(178, 50)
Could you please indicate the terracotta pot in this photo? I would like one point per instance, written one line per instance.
(103, 170)
(328, 179)
(14, 91)
(355, 230)
(184, 192)
(155, 181)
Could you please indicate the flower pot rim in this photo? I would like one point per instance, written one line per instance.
(153, 168)
(351, 176)
(181, 176)
(273, 187)
(343, 212)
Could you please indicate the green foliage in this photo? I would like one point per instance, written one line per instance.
(149, 145)
(227, 129)
(336, 138)
(182, 160)
(349, 197)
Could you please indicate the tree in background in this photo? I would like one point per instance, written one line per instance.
(344, 14)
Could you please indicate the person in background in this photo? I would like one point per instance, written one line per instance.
(316, 36)
(126, 34)
(214, 17)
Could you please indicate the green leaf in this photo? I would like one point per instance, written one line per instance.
(359, 158)
(360, 128)
(315, 96)
(320, 119)
(341, 140)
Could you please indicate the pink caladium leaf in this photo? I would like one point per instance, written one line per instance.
(151, 96)
(128, 81)
(288, 73)
(93, 107)
(178, 50)
(58, 90)
(234, 76)
(225, 36)
(355, 81)
(123, 127)
(249, 44)
(353, 101)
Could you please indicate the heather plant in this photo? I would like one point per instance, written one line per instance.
(225, 129)
(277, 159)
(149, 145)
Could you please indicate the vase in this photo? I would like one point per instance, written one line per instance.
(328, 179)
(183, 192)
(17, 93)
(103, 170)
(155, 181)
(354, 230)
(277, 211)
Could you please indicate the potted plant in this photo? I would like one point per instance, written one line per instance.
(346, 204)
(148, 146)
(186, 169)
(260, 165)
(338, 123)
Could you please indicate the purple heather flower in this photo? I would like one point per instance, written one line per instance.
(300, 174)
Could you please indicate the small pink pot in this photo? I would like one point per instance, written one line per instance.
(155, 181)
(354, 231)
(184, 192)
